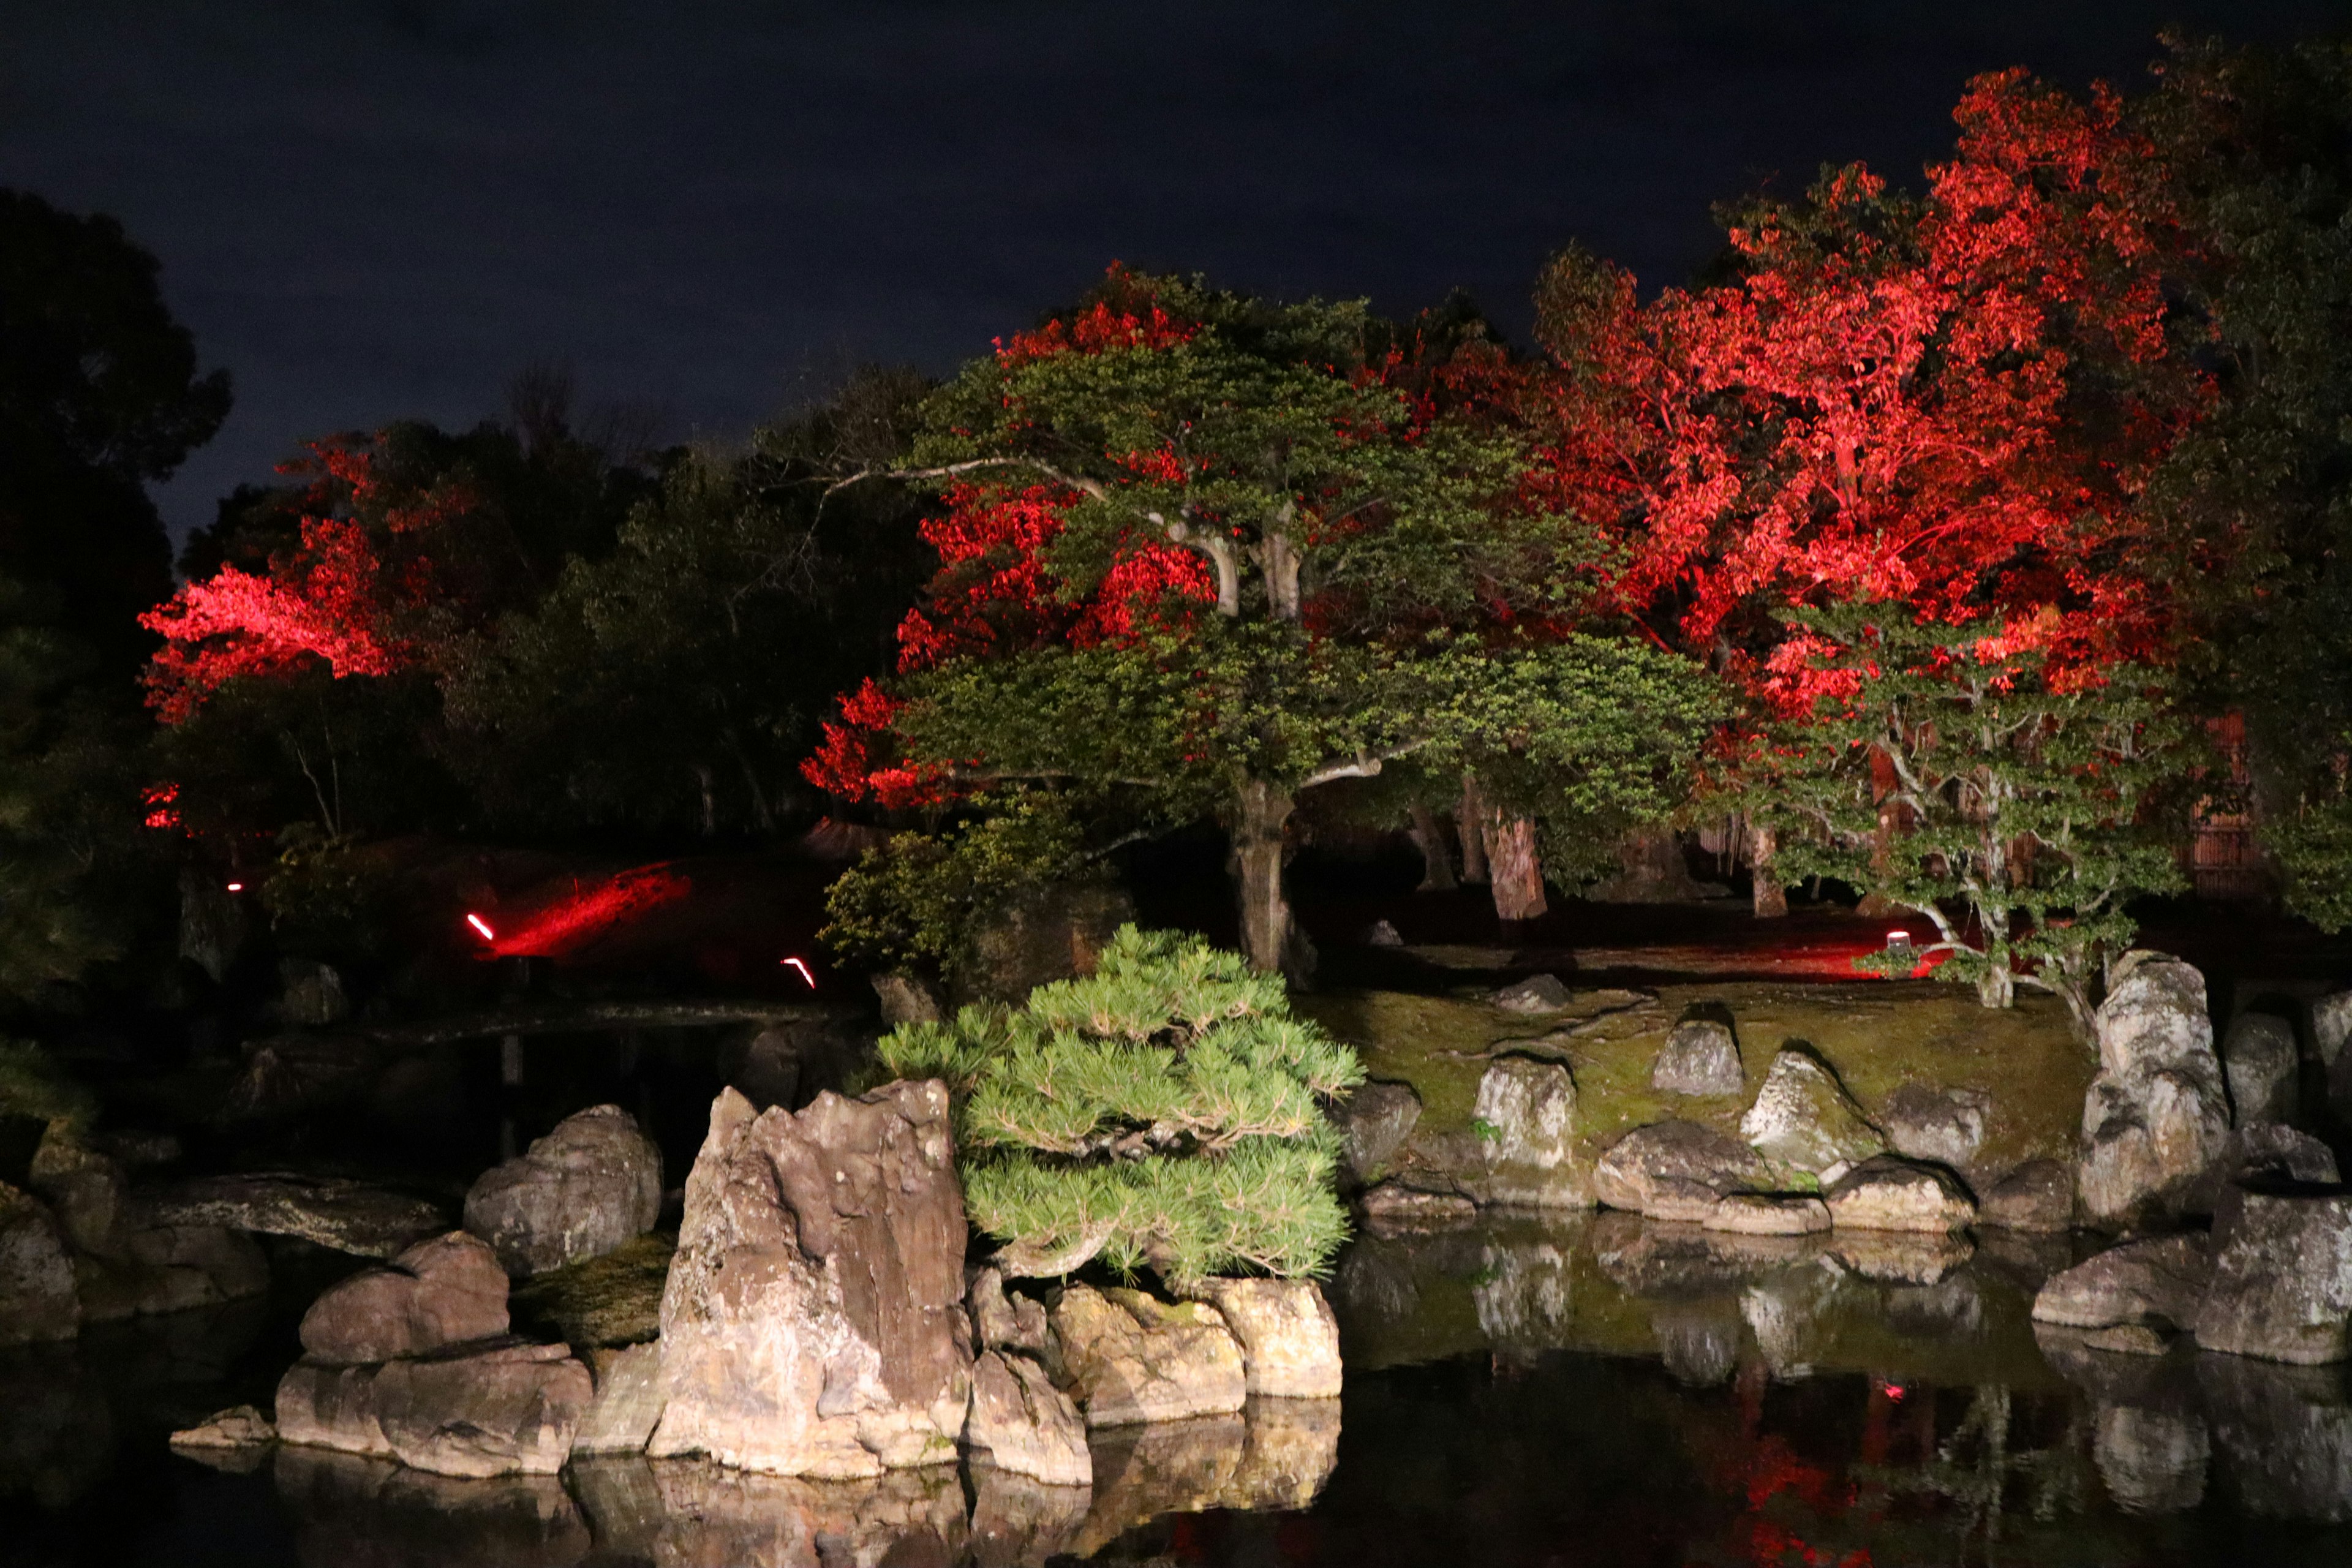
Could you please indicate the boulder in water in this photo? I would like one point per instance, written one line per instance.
(37, 1298)
(813, 1321)
(1129, 1357)
(438, 1293)
(2037, 1197)
(1374, 1122)
(503, 1407)
(1289, 1338)
(1675, 1170)
(1885, 1193)
(1021, 1423)
(2155, 1283)
(2281, 1284)
(1943, 1126)
(2156, 1121)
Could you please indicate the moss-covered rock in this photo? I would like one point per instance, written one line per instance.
(614, 1299)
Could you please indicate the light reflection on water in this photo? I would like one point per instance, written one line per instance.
(1587, 1392)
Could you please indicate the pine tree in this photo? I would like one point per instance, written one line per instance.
(1165, 1111)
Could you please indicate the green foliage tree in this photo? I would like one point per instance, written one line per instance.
(2028, 806)
(916, 902)
(2257, 145)
(98, 397)
(1344, 530)
(677, 680)
(69, 803)
(1163, 1111)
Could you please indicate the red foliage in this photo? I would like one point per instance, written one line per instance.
(329, 601)
(1953, 415)
(992, 594)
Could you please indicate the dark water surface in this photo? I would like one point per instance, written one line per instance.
(1600, 1392)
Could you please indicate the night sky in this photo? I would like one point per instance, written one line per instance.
(372, 210)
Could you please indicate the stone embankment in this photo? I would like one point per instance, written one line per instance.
(820, 1328)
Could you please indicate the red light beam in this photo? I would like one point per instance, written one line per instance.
(802, 964)
(479, 924)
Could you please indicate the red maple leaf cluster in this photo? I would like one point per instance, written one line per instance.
(329, 600)
(1949, 406)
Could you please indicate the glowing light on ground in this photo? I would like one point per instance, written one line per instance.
(237, 887)
(587, 914)
(479, 924)
(1898, 939)
(802, 964)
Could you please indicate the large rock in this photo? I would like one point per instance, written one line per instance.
(331, 1211)
(502, 1408)
(169, 1268)
(1675, 1170)
(1005, 1320)
(1803, 1117)
(813, 1323)
(1884, 1193)
(1526, 1116)
(310, 995)
(2282, 1278)
(592, 1184)
(1021, 1423)
(2037, 1197)
(1943, 1126)
(628, 1403)
(441, 1292)
(2156, 1121)
(1374, 1122)
(37, 1298)
(1396, 1209)
(1128, 1357)
(1290, 1338)
(2155, 1284)
(2259, 1061)
(124, 1264)
(1701, 1057)
(241, 1428)
(1536, 994)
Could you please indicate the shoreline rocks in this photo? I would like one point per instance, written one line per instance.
(1803, 1117)
(1127, 1357)
(592, 1184)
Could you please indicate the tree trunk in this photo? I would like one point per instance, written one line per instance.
(1436, 860)
(1772, 898)
(1517, 871)
(1469, 822)
(1270, 939)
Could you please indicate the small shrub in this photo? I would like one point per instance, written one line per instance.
(1163, 1113)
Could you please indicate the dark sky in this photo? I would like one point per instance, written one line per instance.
(367, 210)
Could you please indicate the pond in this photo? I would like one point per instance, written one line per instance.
(1595, 1390)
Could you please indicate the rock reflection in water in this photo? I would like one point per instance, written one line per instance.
(2284, 1434)
(1017, 1522)
(350, 1511)
(714, 1517)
